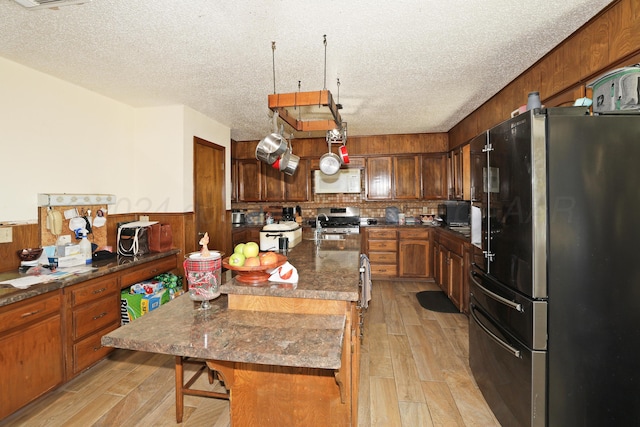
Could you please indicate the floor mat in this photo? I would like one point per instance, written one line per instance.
(436, 301)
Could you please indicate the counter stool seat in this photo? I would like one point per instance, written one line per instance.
(183, 389)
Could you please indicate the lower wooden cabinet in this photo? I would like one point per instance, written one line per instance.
(245, 234)
(31, 352)
(414, 253)
(93, 310)
(450, 267)
(382, 249)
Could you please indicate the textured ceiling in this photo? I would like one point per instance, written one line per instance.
(405, 66)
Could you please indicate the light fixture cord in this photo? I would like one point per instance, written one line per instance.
(325, 61)
(273, 55)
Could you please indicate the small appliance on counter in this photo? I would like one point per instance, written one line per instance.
(288, 215)
(455, 213)
(237, 217)
(270, 234)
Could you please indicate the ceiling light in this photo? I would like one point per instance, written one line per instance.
(42, 4)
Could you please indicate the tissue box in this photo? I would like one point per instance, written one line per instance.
(133, 306)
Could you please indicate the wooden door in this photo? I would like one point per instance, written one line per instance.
(209, 195)
(406, 173)
(414, 257)
(456, 278)
(434, 176)
(378, 172)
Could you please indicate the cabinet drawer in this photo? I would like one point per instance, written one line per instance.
(383, 245)
(417, 234)
(27, 311)
(94, 316)
(382, 233)
(147, 271)
(384, 270)
(453, 244)
(93, 290)
(89, 350)
(383, 257)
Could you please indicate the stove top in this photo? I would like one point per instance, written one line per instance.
(339, 220)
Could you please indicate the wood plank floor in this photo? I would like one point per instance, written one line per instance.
(414, 372)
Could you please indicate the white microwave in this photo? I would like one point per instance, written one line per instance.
(344, 181)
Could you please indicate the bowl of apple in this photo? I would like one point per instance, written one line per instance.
(250, 264)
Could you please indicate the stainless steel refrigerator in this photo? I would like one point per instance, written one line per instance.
(554, 332)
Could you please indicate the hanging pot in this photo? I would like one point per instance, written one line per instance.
(292, 164)
(329, 163)
(344, 154)
(271, 147)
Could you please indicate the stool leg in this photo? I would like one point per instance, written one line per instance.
(179, 385)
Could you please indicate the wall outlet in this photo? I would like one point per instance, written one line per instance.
(144, 217)
(6, 234)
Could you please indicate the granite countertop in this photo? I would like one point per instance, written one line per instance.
(328, 270)
(10, 294)
(460, 232)
(282, 339)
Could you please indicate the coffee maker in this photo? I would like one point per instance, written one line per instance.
(288, 215)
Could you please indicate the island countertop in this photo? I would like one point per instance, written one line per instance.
(328, 269)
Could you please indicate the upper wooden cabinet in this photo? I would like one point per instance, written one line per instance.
(434, 176)
(259, 182)
(249, 181)
(378, 172)
(406, 177)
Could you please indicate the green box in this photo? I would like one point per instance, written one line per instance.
(133, 306)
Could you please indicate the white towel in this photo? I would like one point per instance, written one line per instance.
(365, 281)
(284, 270)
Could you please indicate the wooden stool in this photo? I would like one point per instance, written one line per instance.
(183, 389)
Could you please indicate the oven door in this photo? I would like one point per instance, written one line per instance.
(511, 376)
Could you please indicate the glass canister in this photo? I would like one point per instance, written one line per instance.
(203, 276)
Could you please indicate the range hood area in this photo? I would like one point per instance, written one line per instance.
(344, 181)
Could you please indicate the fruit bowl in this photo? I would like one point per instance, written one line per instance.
(254, 274)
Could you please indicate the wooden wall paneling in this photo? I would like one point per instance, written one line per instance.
(565, 98)
(624, 29)
(551, 74)
(381, 144)
(571, 56)
(594, 47)
(23, 236)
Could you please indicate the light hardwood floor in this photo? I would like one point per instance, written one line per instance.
(414, 372)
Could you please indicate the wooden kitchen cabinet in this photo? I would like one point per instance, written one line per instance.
(451, 268)
(245, 234)
(434, 176)
(31, 353)
(382, 249)
(406, 177)
(297, 186)
(378, 174)
(456, 184)
(249, 181)
(92, 310)
(414, 253)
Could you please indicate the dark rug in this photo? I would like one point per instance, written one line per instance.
(436, 301)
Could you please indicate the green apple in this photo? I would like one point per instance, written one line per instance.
(236, 260)
(239, 248)
(251, 250)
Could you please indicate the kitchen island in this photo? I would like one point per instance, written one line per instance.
(287, 353)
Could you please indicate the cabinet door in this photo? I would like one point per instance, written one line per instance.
(443, 266)
(296, 186)
(31, 356)
(414, 258)
(406, 177)
(456, 181)
(456, 278)
(435, 261)
(249, 181)
(234, 180)
(379, 174)
(434, 176)
(273, 184)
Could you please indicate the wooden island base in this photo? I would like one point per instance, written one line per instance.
(280, 395)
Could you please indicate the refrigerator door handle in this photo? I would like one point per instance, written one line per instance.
(494, 337)
(514, 305)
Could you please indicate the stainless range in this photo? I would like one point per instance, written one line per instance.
(339, 220)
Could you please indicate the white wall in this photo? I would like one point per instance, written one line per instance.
(58, 137)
